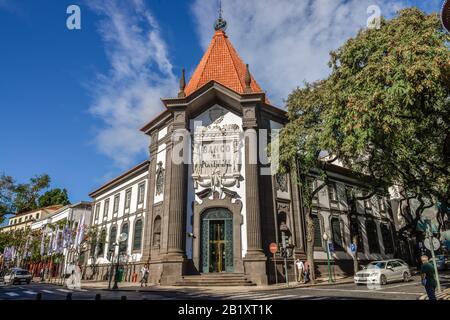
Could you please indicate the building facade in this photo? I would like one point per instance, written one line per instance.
(209, 199)
(26, 219)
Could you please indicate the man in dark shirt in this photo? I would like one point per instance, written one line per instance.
(428, 277)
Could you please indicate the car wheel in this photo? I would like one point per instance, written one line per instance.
(406, 276)
(383, 280)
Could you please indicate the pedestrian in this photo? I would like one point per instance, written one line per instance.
(306, 272)
(428, 277)
(300, 270)
(144, 275)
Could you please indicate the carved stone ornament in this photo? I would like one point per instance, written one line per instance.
(217, 155)
(160, 173)
(281, 182)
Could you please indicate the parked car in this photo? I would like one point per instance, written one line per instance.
(17, 275)
(384, 271)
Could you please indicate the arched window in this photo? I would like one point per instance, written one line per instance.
(387, 239)
(372, 236)
(101, 243)
(355, 230)
(336, 233)
(137, 238)
(157, 231)
(112, 238)
(124, 244)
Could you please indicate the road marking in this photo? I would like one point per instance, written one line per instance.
(30, 292)
(266, 297)
(48, 291)
(402, 285)
(64, 290)
(366, 291)
(290, 296)
(11, 294)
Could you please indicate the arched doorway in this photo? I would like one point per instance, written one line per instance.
(217, 240)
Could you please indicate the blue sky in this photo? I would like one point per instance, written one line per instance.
(72, 102)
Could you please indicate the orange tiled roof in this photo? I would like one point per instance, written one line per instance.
(222, 64)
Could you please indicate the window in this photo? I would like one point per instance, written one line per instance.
(20, 220)
(112, 237)
(116, 203)
(311, 183)
(101, 243)
(157, 231)
(106, 209)
(37, 215)
(124, 244)
(128, 199)
(97, 210)
(332, 192)
(355, 231)
(336, 233)
(317, 232)
(372, 237)
(137, 240)
(387, 239)
(141, 192)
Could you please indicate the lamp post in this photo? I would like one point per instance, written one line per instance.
(429, 235)
(330, 276)
(123, 237)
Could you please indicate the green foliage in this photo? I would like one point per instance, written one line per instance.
(27, 194)
(54, 197)
(6, 195)
(384, 110)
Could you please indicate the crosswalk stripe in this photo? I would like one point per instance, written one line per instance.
(11, 294)
(64, 290)
(266, 297)
(48, 291)
(30, 292)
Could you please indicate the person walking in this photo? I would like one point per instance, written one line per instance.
(306, 272)
(300, 270)
(144, 275)
(428, 277)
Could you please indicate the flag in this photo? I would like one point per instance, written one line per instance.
(55, 240)
(80, 233)
(27, 243)
(42, 243)
(49, 248)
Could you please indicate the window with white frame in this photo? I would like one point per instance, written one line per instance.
(141, 192)
(332, 191)
(106, 209)
(97, 210)
(116, 203)
(128, 199)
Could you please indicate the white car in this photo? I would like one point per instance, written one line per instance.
(17, 275)
(384, 271)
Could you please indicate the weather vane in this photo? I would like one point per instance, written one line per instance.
(220, 23)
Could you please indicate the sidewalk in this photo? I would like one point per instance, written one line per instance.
(135, 286)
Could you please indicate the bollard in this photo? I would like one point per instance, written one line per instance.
(98, 296)
(123, 298)
(39, 296)
(69, 296)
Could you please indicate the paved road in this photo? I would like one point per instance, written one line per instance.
(396, 291)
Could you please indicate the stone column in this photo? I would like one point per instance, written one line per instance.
(255, 259)
(153, 149)
(174, 260)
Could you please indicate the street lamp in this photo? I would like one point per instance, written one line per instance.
(330, 276)
(123, 237)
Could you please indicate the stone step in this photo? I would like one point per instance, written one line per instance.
(215, 279)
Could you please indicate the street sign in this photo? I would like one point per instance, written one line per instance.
(273, 247)
(353, 247)
(331, 247)
(436, 244)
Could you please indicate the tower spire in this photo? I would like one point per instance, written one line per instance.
(220, 23)
(182, 94)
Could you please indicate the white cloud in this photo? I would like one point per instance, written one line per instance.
(140, 74)
(287, 42)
